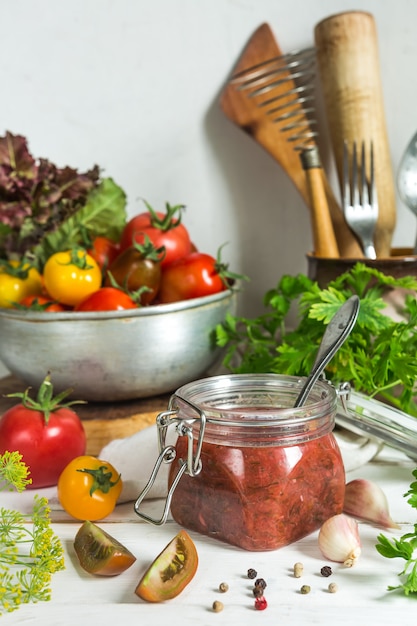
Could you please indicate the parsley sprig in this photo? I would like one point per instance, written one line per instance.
(378, 358)
(29, 552)
(403, 548)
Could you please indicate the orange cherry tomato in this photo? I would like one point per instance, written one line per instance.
(88, 488)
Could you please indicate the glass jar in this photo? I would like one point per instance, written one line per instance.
(248, 468)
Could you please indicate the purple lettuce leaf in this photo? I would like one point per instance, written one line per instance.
(36, 196)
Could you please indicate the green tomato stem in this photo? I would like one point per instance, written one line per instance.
(102, 479)
(45, 401)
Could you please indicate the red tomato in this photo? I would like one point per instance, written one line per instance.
(194, 276)
(104, 251)
(41, 303)
(107, 299)
(47, 435)
(163, 229)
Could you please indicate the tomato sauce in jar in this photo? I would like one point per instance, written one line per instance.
(268, 474)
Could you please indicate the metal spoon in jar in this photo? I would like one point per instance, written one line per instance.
(337, 331)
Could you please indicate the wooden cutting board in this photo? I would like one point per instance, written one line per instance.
(102, 422)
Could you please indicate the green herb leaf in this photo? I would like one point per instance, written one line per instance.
(378, 358)
(403, 548)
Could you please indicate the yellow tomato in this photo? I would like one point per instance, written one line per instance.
(17, 281)
(71, 276)
(88, 488)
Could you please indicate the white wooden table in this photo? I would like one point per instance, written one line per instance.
(79, 599)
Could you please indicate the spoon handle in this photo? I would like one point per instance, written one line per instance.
(337, 331)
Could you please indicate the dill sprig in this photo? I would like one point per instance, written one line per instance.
(14, 474)
(30, 552)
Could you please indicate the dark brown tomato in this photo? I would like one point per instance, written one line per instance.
(132, 270)
(171, 571)
(100, 553)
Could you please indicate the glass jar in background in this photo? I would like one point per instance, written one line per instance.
(248, 468)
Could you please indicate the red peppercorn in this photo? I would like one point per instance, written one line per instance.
(261, 603)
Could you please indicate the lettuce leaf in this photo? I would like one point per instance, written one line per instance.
(103, 214)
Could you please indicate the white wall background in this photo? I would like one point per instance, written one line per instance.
(133, 86)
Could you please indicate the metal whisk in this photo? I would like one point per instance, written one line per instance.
(288, 83)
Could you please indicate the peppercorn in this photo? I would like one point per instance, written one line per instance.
(298, 570)
(326, 571)
(252, 573)
(260, 582)
(223, 587)
(218, 606)
(332, 587)
(261, 604)
(258, 592)
(305, 589)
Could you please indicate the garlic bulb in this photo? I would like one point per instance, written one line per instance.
(366, 500)
(339, 540)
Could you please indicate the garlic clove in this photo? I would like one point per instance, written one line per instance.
(366, 500)
(339, 540)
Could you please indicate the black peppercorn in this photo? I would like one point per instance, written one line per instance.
(252, 573)
(326, 571)
(258, 592)
(260, 582)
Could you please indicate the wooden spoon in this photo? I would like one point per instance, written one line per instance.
(248, 115)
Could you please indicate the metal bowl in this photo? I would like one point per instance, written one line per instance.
(115, 355)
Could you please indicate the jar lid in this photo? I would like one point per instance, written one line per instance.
(256, 409)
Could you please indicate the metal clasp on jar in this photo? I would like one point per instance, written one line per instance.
(167, 453)
(343, 393)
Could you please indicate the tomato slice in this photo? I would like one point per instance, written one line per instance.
(100, 553)
(171, 571)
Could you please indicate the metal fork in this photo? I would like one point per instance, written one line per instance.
(360, 202)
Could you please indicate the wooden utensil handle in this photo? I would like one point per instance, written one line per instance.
(324, 239)
(347, 54)
(251, 118)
